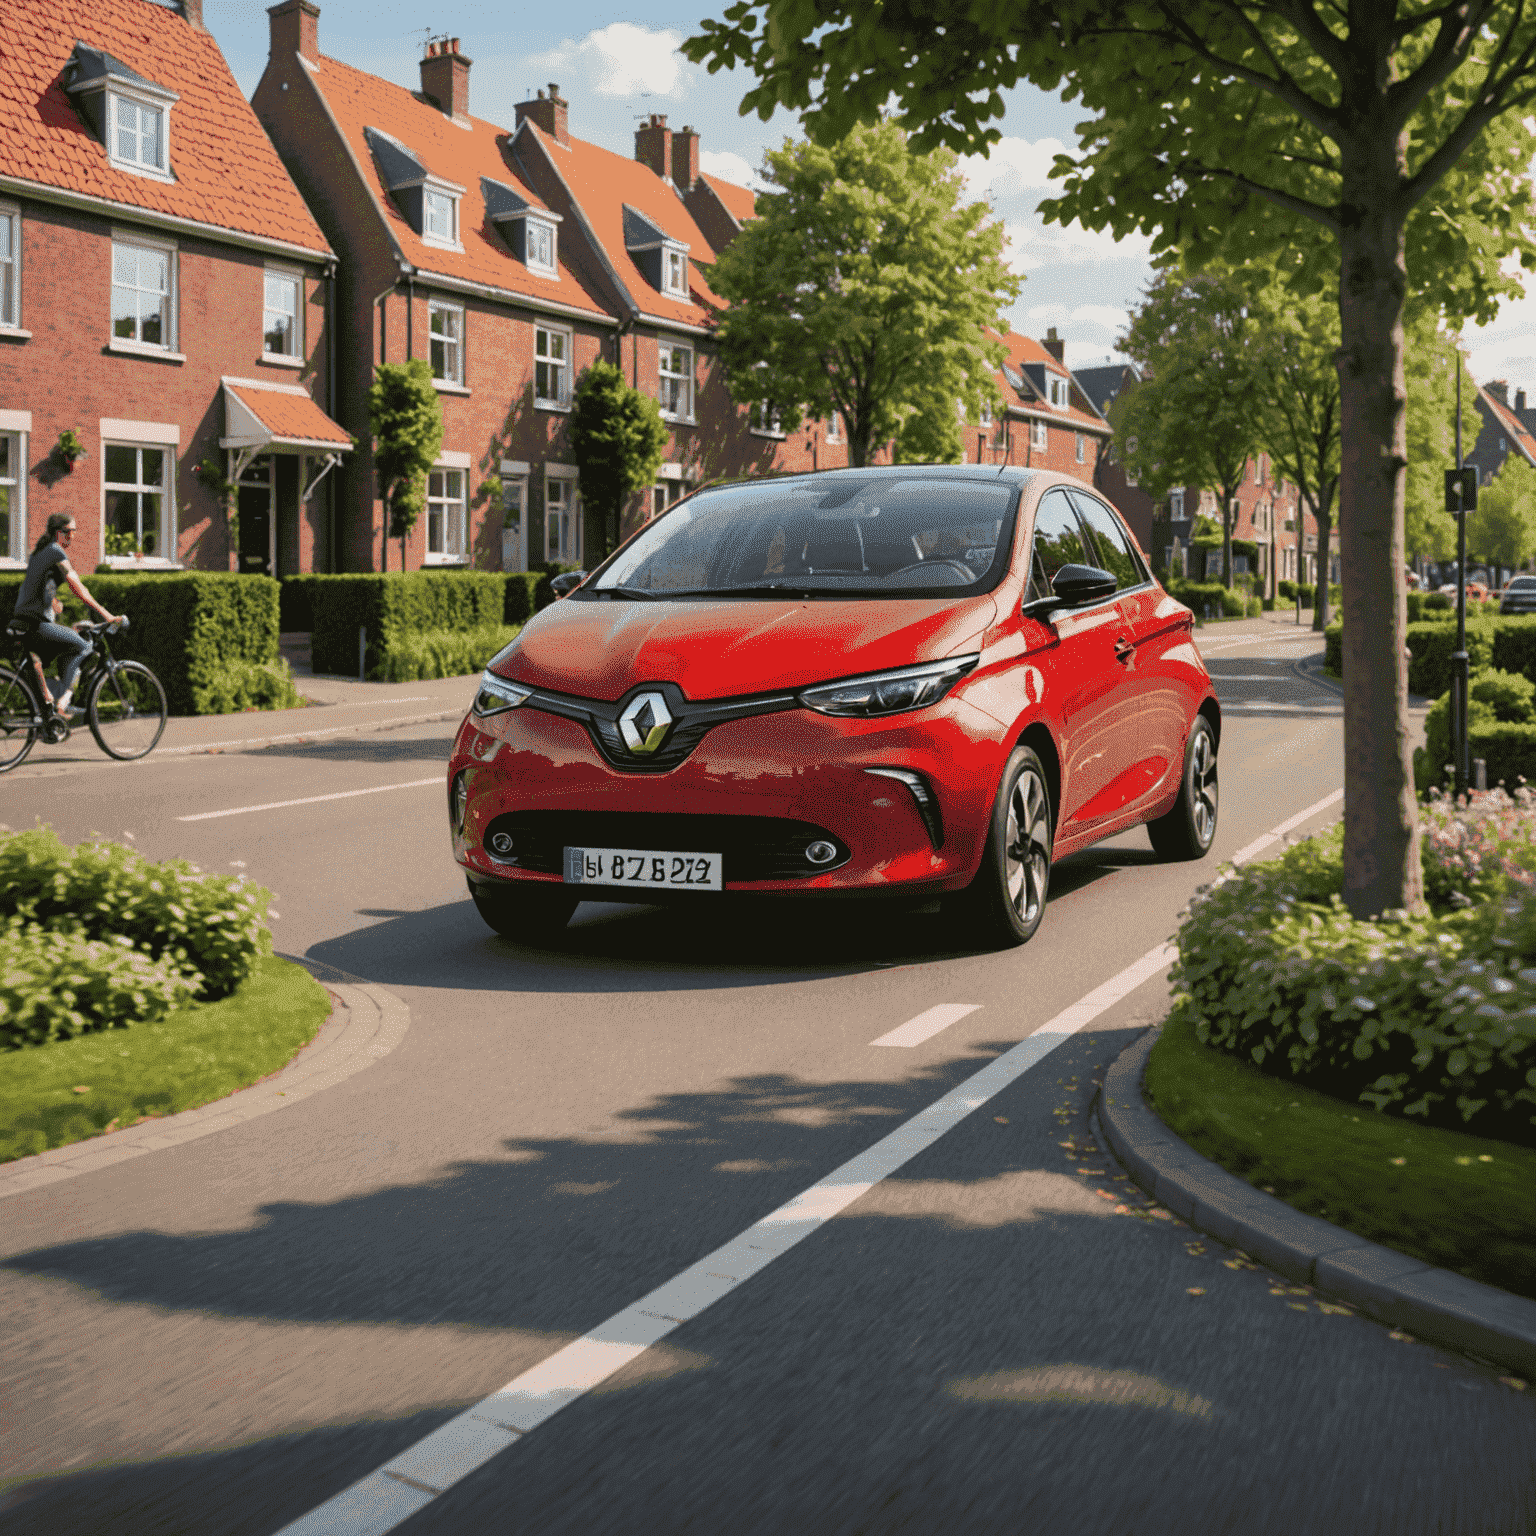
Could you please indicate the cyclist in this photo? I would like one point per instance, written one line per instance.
(38, 607)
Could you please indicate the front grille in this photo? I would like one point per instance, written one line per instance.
(755, 847)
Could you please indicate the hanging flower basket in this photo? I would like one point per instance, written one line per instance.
(68, 450)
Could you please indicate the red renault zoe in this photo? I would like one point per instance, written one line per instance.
(917, 681)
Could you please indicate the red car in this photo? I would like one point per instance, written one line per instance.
(918, 681)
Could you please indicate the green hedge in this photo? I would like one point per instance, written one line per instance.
(1197, 594)
(392, 606)
(443, 652)
(210, 637)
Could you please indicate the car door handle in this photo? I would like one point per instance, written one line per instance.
(1124, 649)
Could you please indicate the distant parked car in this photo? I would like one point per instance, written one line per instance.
(1519, 596)
(1476, 591)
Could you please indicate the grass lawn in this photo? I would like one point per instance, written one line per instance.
(189, 1058)
(1458, 1201)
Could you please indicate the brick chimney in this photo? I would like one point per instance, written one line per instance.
(1519, 401)
(1499, 389)
(653, 145)
(296, 29)
(685, 158)
(1055, 345)
(551, 113)
(445, 79)
(192, 14)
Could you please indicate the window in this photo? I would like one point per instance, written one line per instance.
(562, 522)
(1058, 542)
(13, 529)
(1258, 470)
(445, 516)
(834, 428)
(551, 367)
(445, 324)
(138, 499)
(10, 268)
(1176, 506)
(765, 419)
(282, 330)
(1038, 436)
(1116, 552)
(439, 217)
(984, 415)
(676, 368)
(137, 134)
(675, 273)
(666, 494)
(143, 294)
(1082, 448)
(1056, 390)
(541, 246)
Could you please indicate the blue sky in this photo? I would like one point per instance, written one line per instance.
(616, 64)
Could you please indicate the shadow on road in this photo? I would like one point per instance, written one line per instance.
(367, 749)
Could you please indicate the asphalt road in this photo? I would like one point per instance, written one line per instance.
(998, 1337)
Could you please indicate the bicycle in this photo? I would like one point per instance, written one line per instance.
(124, 703)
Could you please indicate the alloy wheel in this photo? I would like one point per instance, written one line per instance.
(1028, 846)
(1203, 790)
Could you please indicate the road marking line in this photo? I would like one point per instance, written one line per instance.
(1246, 677)
(282, 805)
(392, 1493)
(926, 1025)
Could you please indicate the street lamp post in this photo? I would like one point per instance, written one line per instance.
(1460, 499)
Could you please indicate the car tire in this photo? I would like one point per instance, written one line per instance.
(1003, 905)
(1189, 829)
(534, 916)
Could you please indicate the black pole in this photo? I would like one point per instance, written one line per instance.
(1460, 678)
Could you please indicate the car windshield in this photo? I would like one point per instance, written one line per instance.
(874, 536)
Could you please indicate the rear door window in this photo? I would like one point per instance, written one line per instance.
(1117, 554)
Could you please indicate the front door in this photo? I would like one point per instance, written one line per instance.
(256, 528)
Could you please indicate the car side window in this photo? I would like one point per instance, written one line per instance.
(1058, 542)
(1117, 554)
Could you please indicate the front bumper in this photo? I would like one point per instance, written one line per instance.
(759, 789)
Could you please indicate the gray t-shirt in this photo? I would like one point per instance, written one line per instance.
(44, 572)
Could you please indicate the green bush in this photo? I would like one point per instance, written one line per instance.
(444, 652)
(522, 588)
(1197, 595)
(393, 607)
(1497, 697)
(1430, 1016)
(209, 925)
(543, 592)
(1514, 644)
(199, 632)
(1439, 602)
(57, 983)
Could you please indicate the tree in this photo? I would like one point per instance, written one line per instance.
(1503, 528)
(1376, 145)
(1191, 419)
(618, 439)
(406, 419)
(864, 286)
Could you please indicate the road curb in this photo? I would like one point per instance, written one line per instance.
(366, 1025)
(1433, 1304)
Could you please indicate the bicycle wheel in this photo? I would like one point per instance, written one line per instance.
(126, 711)
(18, 719)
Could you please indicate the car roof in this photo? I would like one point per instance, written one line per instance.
(1013, 474)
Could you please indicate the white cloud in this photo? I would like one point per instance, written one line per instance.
(1014, 166)
(728, 167)
(621, 60)
(1053, 314)
(1035, 245)
(1105, 316)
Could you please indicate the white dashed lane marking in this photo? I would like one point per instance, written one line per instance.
(344, 794)
(926, 1025)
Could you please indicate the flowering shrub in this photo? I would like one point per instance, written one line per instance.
(56, 984)
(1430, 1016)
(1479, 848)
(208, 926)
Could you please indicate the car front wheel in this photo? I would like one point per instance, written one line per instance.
(534, 916)
(1188, 830)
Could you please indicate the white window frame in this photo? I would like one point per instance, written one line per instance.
(166, 533)
(764, 420)
(984, 415)
(1082, 449)
(10, 268)
(14, 433)
(674, 271)
(514, 480)
(170, 312)
(680, 380)
(667, 492)
(531, 228)
(450, 196)
(451, 508)
(454, 376)
(141, 101)
(834, 428)
(1039, 435)
(543, 337)
(1057, 390)
(289, 275)
(1131, 445)
(568, 520)
(1176, 506)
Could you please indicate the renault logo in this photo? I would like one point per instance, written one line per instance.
(645, 722)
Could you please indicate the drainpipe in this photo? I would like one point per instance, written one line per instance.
(330, 406)
(410, 314)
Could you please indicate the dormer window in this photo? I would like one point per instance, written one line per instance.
(130, 115)
(430, 203)
(541, 246)
(530, 231)
(675, 269)
(663, 260)
(1057, 390)
(439, 216)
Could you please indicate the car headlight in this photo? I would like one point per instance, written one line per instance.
(889, 693)
(497, 694)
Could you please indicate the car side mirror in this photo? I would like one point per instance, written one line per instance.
(566, 581)
(1076, 586)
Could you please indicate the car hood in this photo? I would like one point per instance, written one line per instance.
(714, 650)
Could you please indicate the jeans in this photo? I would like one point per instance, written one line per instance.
(51, 640)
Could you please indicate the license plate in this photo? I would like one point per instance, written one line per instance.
(644, 867)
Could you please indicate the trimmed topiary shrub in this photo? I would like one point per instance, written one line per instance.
(444, 652)
(1198, 595)
(392, 607)
(522, 588)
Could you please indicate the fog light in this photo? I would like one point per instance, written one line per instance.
(458, 804)
(501, 840)
(821, 852)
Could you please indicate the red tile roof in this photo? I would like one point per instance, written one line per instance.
(227, 173)
(462, 155)
(740, 202)
(1024, 350)
(602, 183)
(1511, 424)
(286, 413)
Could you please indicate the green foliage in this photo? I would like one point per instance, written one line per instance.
(210, 926)
(1427, 1016)
(443, 652)
(1496, 696)
(1430, 360)
(865, 285)
(209, 636)
(1502, 527)
(543, 592)
(120, 542)
(617, 438)
(406, 419)
(1198, 595)
(69, 448)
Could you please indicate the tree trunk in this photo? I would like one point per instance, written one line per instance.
(1320, 614)
(1381, 834)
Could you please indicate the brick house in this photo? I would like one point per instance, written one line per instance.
(164, 297)
(511, 259)
(1503, 429)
